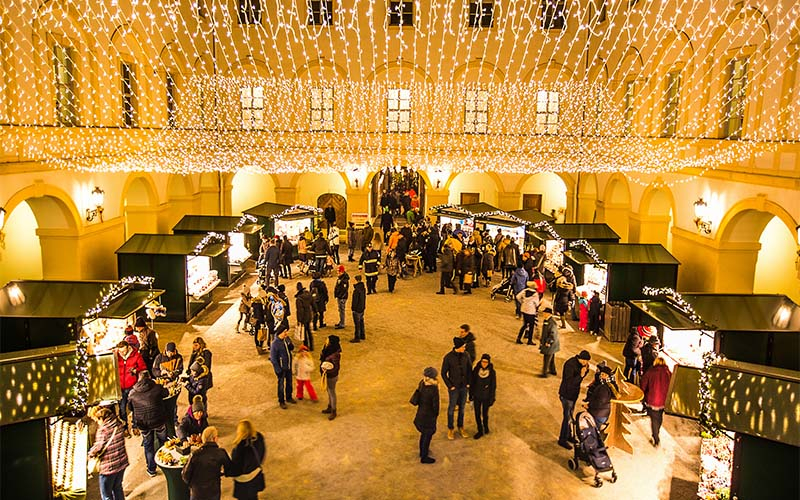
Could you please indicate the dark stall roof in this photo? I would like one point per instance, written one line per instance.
(68, 299)
(270, 210)
(588, 231)
(479, 208)
(752, 399)
(625, 253)
(214, 223)
(531, 216)
(731, 312)
(169, 244)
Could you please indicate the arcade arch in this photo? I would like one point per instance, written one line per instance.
(251, 189)
(140, 205)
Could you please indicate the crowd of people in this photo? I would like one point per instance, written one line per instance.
(464, 261)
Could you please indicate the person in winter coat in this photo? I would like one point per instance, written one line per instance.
(469, 341)
(321, 250)
(249, 451)
(280, 354)
(650, 350)
(341, 291)
(287, 257)
(329, 366)
(563, 298)
(599, 395)
(431, 249)
(302, 249)
(541, 283)
(197, 383)
(387, 221)
(272, 260)
(200, 350)
(168, 366)
(357, 306)
(487, 262)
(595, 309)
(549, 343)
(353, 236)
(333, 241)
(149, 416)
(393, 268)
(482, 389)
(366, 236)
(370, 260)
(131, 338)
(148, 342)
(467, 270)
(304, 306)
(583, 304)
(446, 267)
(572, 374)
(510, 258)
(205, 468)
(633, 355)
(456, 372)
(109, 445)
(529, 307)
(655, 384)
(195, 421)
(260, 321)
(302, 366)
(245, 304)
(319, 292)
(519, 280)
(129, 365)
(427, 402)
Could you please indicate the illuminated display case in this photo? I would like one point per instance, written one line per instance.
(241, 235)
(289, 220)
(292, 228)
(69, 445)
(599, 233)
(186, 266)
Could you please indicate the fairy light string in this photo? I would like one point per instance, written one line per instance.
(587, 248)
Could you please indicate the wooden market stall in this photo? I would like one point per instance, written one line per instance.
(285, 220)
(557, 237)
(242, 234)
(186, 266)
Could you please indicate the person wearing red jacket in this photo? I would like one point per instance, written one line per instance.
(129, 364)
(655, 384)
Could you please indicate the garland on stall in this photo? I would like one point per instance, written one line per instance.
(549, 229)
(80, 384)
(207, 240)
(291, 209)
(245, 219)
(677, 301)
(586, 248)
(494, 213)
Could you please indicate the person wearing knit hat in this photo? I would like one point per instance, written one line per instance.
(302, 366)
(572, 374)
(549, 344)
(482, 391)
(341, 291)
(168, 366)
(194, 421)
(426, 399)
(456, 370)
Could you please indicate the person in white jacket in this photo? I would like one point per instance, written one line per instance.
(333, 242)
(303, 366)
(529, 305)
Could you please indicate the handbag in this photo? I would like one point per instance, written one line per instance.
(299, 333)
(415, 398)
(93, 463)
(246, 478)
(468, 278)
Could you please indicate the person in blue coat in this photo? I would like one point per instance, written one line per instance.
(280, 354)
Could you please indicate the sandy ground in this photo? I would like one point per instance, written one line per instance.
(370, 451)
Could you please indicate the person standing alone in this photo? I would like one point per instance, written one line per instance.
(280, 354)
(456, 371)
(575, 369)
(358, 305)
(549, 343)
(426, 399)
(341, 290)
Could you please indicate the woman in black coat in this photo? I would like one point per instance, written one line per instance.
(247, 456)
(482, 389)
(304, 307)
(426, 398)
(595, 309)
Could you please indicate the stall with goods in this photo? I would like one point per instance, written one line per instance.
(285, 220)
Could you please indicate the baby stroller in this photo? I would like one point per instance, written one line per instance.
(505, 289)
(590, 448)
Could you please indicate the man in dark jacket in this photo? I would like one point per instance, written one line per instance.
(446, 267)
(304, 305)
(427, 404)
(633, 355)
(321, 250)
(205, 468)
(370, 261)
(469, 341)
(168, 366)
(280, 354)
(575, 369)
(149, 416)
(366, 236)
(341, 290)
(431, 248)
(148, 342)
(456, 372)
(549, 343)
(387, 221)
(273, 261)
(353, 235)
(319, 292)
(358, 305)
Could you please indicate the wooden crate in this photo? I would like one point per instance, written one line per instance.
(617, 321)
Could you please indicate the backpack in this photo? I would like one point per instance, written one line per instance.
(276, 308)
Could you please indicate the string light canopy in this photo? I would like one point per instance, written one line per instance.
(185, 87)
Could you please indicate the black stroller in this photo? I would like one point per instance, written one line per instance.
(505, 289)
(590, 448)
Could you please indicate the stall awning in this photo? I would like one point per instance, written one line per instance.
(531, 216)
(729, 312)
(625, 253)
(479, 208)
(214, 223)
(588, 232)
(68, 299)
(752, 399)
(170, 244)
(282, 212)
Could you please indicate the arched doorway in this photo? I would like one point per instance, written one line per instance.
(615, 207)
(547, 193)
(776, 270)
(653, 223)
(339, 204)
(587, 197)
(397, 180)
(140, 206)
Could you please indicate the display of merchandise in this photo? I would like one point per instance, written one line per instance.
(686, 347)
(595, 278)
(237, 253)
(201, 278)
(516, 233)
(174, 454)
(292, 228)
(466, 224)
(553, 256)
(105, 333)
(173, 386)
(69, 445)
(716, 466)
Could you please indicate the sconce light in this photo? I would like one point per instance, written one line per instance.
(96, 200)
(701, 216)
(356, 182)
(2, 226)
(438, 183)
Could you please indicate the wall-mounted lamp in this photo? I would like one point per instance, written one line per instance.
(96, 200)
(701, 216)
(438, 183)
(2, 226)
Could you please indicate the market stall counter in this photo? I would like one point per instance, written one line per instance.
(171, 458)
(182, 264)
(530, 217)
(285, 220)
(241, 236)
(557, 237)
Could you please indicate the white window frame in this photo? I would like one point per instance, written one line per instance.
(476, 111)
(321, 108)
(129, 95)
(251, 100)
(322, 10)
(548, 108)
(398, 110)
(66, 102)
(628, 107)
(479, 11)
(672, 102)
(735, 97)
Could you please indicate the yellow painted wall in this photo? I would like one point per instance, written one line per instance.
(473, 183)
(250, 190)
(22, 256)
(552, 189)
(310, 186)
(775, 269)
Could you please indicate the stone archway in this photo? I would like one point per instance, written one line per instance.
(250, 189)
(587, 197)
(41, 236)
(614, 208)
(551, 191)
(140, 205)
(339, 203)
(653, 223)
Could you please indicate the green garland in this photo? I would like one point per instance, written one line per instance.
(708, 427)
(586, 248)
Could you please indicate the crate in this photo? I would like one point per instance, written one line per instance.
(617, 321)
